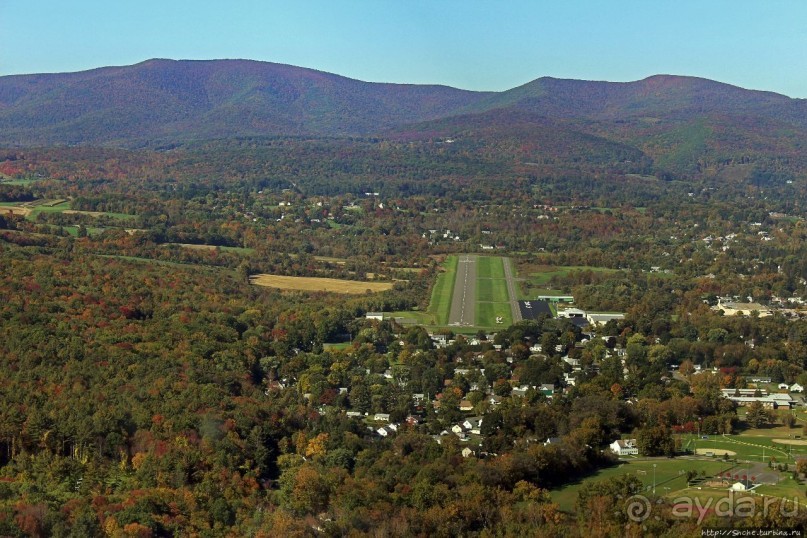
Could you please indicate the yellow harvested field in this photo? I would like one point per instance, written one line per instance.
(794, 442)
(14, 210)
(302, 283)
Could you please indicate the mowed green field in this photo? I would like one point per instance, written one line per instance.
(670, 476)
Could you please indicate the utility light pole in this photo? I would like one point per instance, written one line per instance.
(654, 479)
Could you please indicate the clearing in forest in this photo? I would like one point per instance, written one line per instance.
(302, 283)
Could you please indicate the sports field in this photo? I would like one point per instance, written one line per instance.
(757, 448)
(670, 476)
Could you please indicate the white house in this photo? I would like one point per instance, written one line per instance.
(742, 485)
(381, 417)
(795, 387)
(473, 425)
(625, 447)
(784, 386)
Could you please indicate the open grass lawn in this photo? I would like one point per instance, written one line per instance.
(440, 304)
(486, 314)
(670, 477)
(489, 267)
(302, 283)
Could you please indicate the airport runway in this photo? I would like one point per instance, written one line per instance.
(463, 300)
(515, 309)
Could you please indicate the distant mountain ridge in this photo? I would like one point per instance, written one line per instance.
(680, 124)
(180, 100)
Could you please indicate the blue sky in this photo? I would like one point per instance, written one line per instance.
(472, 44)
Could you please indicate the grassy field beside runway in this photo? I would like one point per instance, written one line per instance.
(440, 303)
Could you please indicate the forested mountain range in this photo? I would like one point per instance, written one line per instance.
(682, 124)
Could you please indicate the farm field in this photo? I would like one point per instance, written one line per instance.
(299, 283)
(31, 209)
(670, 477)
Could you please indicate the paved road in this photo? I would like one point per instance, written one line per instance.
(463, 300)
(515, 310)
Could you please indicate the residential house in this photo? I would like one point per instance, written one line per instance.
(473, 425)
(625, 447)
